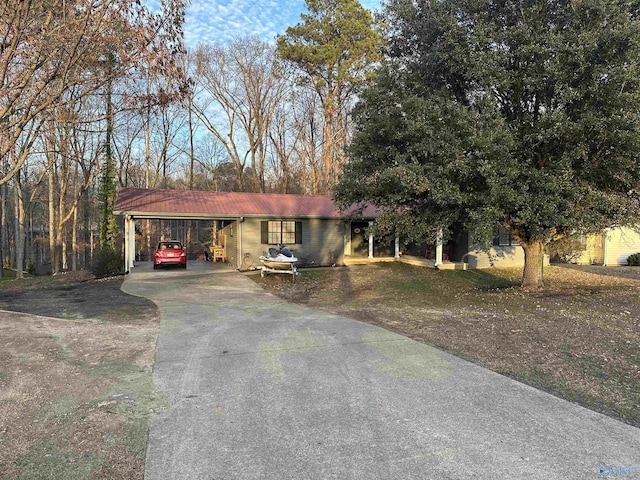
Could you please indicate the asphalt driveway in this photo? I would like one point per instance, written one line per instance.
(263, 389)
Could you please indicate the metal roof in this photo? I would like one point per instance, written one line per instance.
(157, 203)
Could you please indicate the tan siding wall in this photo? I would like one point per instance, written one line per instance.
(594, 251)
(322, 241)
(502, 257)
(231, 232)
(620, 243)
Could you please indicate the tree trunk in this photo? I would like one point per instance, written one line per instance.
(192, 152)
(4, 241)
(533, 257)
(52, 223)
(74, 240)
(65, 261)
(19, 227)
(327, 152)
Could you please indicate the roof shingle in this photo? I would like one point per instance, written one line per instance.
(146, 202)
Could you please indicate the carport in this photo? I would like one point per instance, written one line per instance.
(162, 205)
(134, 251)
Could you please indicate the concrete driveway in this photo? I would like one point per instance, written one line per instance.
(263, 389)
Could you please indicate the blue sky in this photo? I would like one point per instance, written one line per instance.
(223, 20)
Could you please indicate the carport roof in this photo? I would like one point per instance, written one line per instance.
(156, 203)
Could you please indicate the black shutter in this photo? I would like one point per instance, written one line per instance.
(264, 232)
(299, 232)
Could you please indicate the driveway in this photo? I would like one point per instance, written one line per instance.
(263, 389)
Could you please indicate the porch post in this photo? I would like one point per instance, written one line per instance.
(439, 248)
(397, 254)
(347, 238)
(129, 243)
(370, 242)
(132, 242)
(126, 243)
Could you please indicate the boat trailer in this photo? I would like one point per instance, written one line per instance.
(292, 270)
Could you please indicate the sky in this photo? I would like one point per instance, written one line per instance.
(223, 20)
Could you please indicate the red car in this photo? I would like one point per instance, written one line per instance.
(170, 253)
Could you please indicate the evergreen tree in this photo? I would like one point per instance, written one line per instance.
(517, 113)
(334, 48)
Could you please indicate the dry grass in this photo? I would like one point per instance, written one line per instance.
(578, 338)
(76, 393)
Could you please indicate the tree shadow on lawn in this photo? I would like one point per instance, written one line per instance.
(485, 280)
(102, 300)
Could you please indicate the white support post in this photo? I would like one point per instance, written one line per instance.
(397, 253)
(370, 242)
(126, 243)
(439, 248)
(132, 243)
(347, 238)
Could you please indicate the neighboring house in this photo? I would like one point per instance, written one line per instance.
(310, 225)
(610, 248)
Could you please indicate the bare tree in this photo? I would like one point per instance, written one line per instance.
(309, 149)
(240, 91)
(48, 49)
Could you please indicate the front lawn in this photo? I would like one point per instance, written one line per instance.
(76, 390)
(579, 338)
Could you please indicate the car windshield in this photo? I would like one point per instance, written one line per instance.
(171, 245)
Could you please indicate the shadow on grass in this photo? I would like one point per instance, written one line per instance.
(486, 281)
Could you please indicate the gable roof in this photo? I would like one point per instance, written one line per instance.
(156, 203)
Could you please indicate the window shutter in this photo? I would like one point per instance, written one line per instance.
(264, 232)
(299, 232)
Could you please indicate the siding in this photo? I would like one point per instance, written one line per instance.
(512, 256)
(620, 243)
(322, 241)
(594, 251)
(231, 232)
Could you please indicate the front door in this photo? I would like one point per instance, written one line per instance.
(359, 241)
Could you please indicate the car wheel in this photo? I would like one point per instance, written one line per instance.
(184, 266)
(155, 267)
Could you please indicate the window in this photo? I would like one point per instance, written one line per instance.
(275, 232)
(504, 238)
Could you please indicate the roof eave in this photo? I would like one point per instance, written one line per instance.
(200, 216)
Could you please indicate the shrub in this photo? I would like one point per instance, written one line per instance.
(634, 259)
(107, 261)
(566, 249)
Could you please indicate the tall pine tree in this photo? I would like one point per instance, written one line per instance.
(334, 49)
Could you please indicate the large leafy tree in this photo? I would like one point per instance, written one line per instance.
(517, 113)
(334, 49)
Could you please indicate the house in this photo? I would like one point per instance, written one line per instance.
(311, 225)
(462, 251)
(610, 248)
